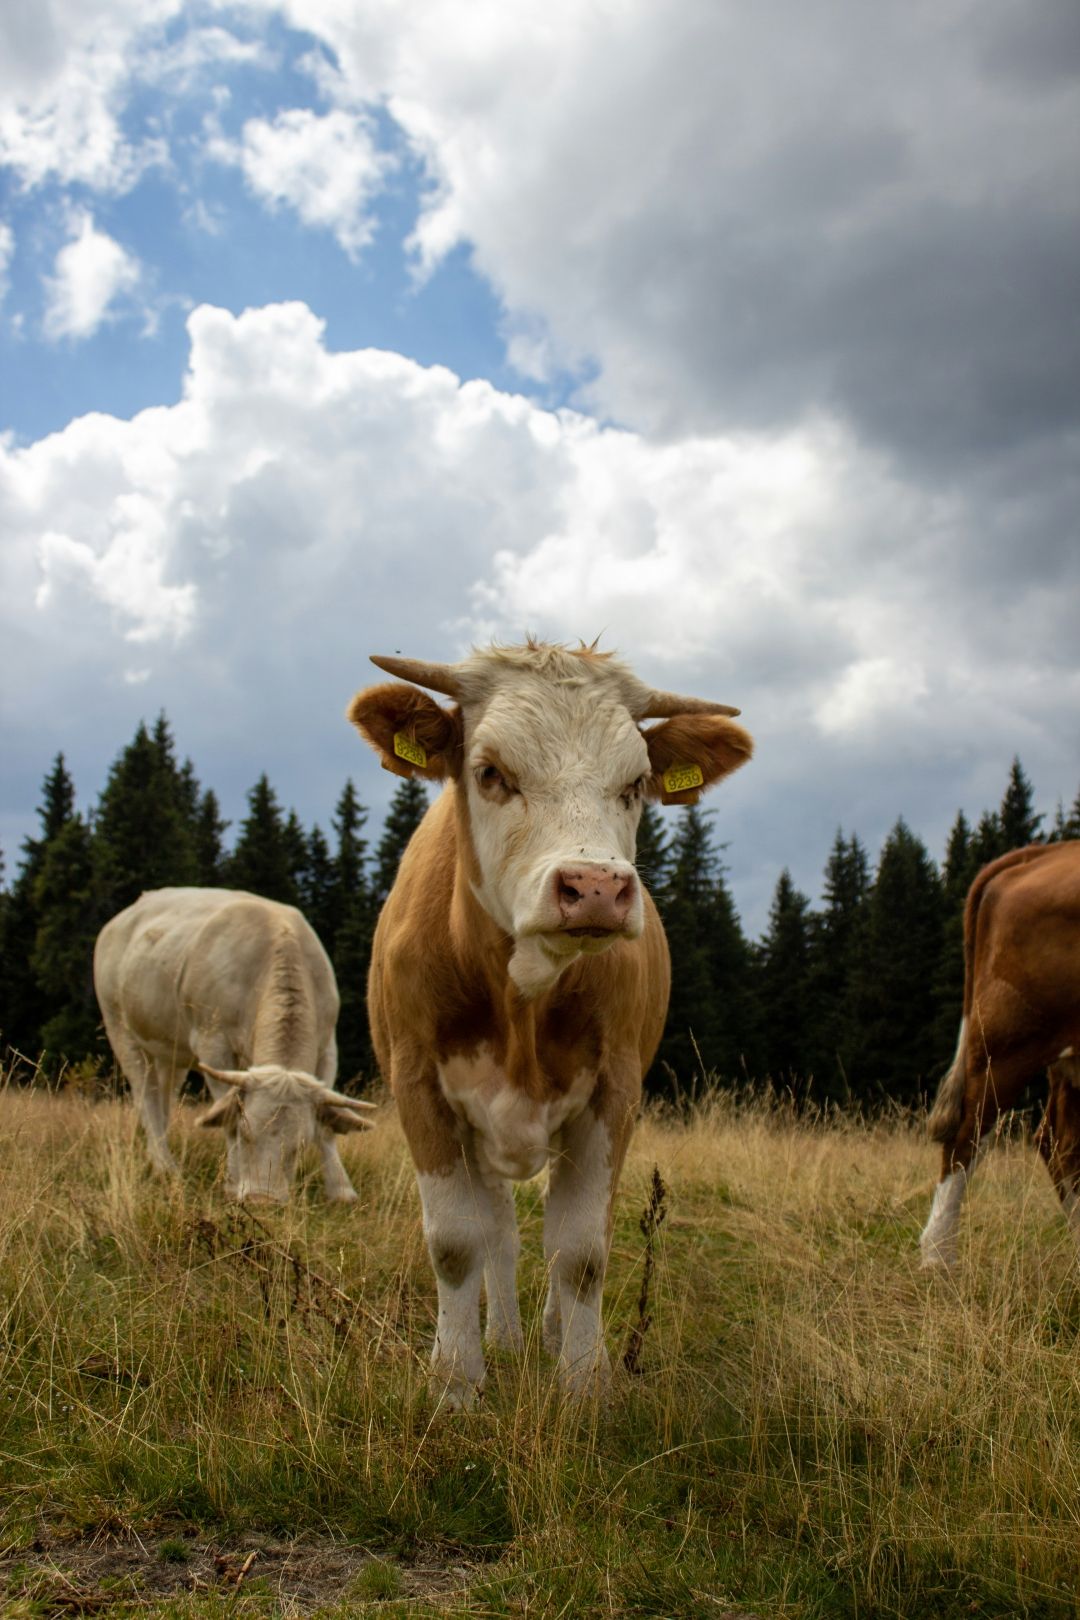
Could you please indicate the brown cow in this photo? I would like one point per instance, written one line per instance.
(1021, 1016)
(519, 977)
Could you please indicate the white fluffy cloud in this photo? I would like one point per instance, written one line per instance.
(325, 166)
(65, 74)
(233, 558)
(92, 274)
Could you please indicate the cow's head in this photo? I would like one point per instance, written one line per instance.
(545, 745)
(268, 1115)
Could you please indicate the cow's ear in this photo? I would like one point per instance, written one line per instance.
(410, 732)
(691, 752)
(226, 1111)
(343, 1120)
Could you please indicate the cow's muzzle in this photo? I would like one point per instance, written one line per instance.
(594, 898)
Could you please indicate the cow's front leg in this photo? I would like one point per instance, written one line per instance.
(576, 1235)
(500, 1271)
(336, 1184)
(465, 1229)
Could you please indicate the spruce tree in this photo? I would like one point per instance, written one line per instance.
(987, 841)
(689, 1049)
(402, 819)
(350, 860)
(834, 941)
(260, 861)
(297, 854)
(1017, 819)
(24, 1006)
(896, 975)
(653, 850)
(142, 836)
(208, 839)
(1072, 820)
(782, 985)
(961, 865)
(729, 958)
(1065, 826)
(317, 893)
(352, 918)
(63, 954)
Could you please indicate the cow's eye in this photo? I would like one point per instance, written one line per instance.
(630, 795)
(491, 781)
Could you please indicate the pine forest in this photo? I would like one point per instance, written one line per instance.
(854, 1003)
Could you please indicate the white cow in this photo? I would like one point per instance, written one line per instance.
(239, 987)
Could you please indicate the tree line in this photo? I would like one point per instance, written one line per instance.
(855, 1001)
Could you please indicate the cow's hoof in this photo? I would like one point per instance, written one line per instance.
(456, 1396)
(348, 1196)
(586, 1379)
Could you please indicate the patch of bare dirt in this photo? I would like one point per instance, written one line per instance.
(62, 1577)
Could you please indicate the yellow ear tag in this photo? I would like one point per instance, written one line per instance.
(405, 748)
(681, 777)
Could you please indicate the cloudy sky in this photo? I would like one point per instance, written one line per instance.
(748, 337)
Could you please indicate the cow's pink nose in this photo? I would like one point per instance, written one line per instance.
(592, 895)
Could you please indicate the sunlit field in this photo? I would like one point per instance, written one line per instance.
(206, 1412)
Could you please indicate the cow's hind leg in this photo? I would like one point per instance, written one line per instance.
(1058, 1137)
(153, 1086)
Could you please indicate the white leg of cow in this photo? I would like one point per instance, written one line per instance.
(938, 1242)
(500, 1271)
(463, 1227)
(576, 1245)
(153, 1086)
(339, 1189)
(552, 1319)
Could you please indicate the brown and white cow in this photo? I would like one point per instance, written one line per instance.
(239, 987)
(1021, 1016)
(520, 975)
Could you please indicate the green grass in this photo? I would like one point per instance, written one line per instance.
(818, 1429)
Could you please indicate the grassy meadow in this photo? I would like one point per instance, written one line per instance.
(205, 1412)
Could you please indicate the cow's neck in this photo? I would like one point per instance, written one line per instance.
(284, 1031)
(484, 951)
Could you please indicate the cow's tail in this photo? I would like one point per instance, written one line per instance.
(945, 1116)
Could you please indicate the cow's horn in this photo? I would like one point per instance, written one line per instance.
(655, 705)
(228, 1077)
(339, 1100)
(436, 677)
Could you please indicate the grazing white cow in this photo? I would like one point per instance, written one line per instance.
(239, 987)
(520, 975)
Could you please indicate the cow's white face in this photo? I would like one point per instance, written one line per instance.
(269, 1114)
(545, 746)
(555, 779)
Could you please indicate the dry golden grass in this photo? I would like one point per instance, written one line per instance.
(819, 1427)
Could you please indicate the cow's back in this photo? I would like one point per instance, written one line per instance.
(1026, 930)
(183, 964)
